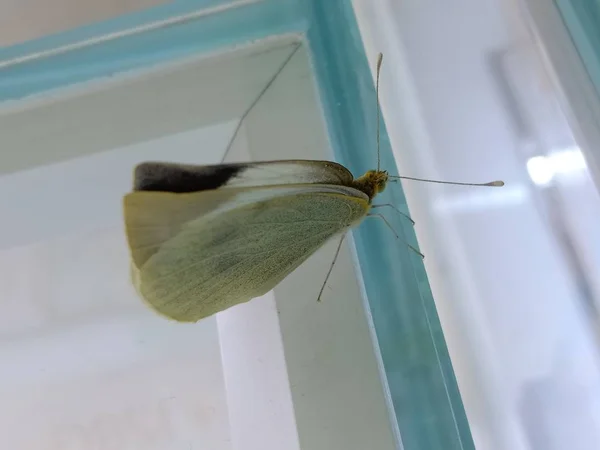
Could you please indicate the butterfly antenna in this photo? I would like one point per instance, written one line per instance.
(497, 183)
(258, 97)
(379, 61)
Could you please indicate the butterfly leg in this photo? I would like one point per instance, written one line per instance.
(337, 252)
(396, 234)
(395, 209)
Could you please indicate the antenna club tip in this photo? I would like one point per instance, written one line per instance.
(379, 60)
(497, 183)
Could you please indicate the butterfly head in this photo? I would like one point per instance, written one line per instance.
(372, 182)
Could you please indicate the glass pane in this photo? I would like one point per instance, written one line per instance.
(88, 363)
(81, 108)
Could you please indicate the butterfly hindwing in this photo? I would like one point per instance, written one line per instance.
(152, 218)
(242, 250)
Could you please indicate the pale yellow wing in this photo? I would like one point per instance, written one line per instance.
(152, 218)
(167, 195)
(235, 254)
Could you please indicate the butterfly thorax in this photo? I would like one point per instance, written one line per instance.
(371, 183)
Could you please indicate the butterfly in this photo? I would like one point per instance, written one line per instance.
(205, 238)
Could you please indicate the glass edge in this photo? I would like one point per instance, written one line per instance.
(585, 37)
(202, 34)
(348, 94)
(116, 24)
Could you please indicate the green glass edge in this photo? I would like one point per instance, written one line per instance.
(421, 380)
(250, 22)
(424, 392)
(95, 29)
(582, 20)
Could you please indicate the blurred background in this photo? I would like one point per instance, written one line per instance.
(496, 89)
(472, 91)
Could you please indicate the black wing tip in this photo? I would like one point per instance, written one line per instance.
(183, 178)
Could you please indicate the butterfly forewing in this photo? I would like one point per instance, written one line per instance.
(181, 178)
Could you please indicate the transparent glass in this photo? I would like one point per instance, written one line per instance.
(90, 366)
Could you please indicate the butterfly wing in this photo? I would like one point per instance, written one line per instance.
(181, 192)
(152, 218)
(180, 178)
(234, 254)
